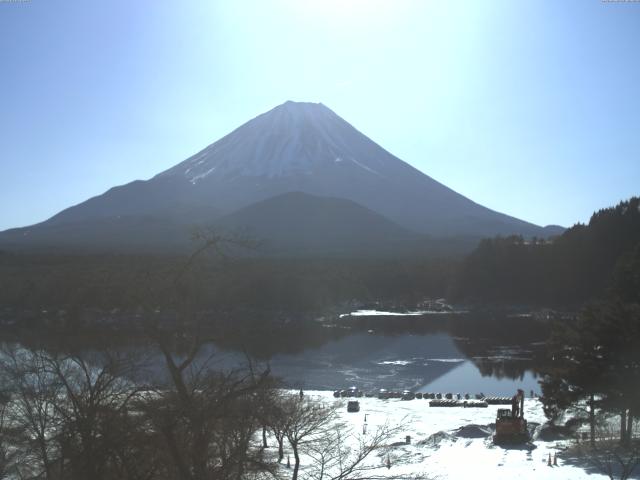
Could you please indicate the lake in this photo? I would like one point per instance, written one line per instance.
(425, 363)
(464, 354)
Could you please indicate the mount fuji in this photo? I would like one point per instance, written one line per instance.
(340, 178)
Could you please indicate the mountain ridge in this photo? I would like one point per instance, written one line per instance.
(295, 147)
(299, 223)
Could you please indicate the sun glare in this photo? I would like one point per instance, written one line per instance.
(340, 11)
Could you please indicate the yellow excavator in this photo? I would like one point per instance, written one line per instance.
(511, 426)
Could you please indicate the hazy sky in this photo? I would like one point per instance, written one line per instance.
(531, 108)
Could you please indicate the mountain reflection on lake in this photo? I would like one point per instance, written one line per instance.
(466, 354)
(429, 362)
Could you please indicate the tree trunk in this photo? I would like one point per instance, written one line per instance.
(61, 463)
(198, 451)
(174, 451)
(623, 426)
(297, 459)
(592, 421)
(629, 426)
(240, 472)
(264, 437)
(45, 458)
(280, 449)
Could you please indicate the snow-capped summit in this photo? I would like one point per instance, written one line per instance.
(295, 138)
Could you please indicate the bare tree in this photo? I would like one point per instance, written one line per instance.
(303, 422)
(207, 417)
(98, 393)
(8, 451)
(276, 419)
(66, 411)
(342, 454)
(32, 395)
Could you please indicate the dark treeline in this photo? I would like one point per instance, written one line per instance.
(77, 282)
(569, 270)
(565, 271)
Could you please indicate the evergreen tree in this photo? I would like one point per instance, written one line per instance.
(596, 356)
(574, 373)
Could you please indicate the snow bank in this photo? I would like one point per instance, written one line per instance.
(455, 443)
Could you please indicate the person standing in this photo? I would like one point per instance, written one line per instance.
(521, 403)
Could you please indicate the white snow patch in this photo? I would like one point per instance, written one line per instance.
(446, 360)
(371, 313)
(364, 166)
(200, 176)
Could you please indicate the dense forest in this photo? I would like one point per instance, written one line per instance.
(566, 271)
(290, 285)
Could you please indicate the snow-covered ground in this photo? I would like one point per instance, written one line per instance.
(441, 448)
